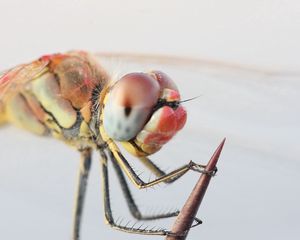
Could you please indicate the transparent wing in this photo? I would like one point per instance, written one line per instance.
(15, 79)
(188, 62)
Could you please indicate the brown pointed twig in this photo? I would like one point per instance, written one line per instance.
(187, 214)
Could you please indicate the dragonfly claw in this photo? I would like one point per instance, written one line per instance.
(184, 233)
(201, 169)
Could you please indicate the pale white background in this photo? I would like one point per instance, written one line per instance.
(256, 193)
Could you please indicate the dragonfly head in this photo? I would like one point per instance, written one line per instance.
(143, 112)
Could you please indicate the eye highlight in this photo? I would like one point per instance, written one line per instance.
(129, 105)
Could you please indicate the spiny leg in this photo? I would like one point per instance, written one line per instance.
(130, 200)
(107, 207)
(85, 164)
(113, 148)
(157, 171)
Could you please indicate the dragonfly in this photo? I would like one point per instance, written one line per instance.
(71, 97)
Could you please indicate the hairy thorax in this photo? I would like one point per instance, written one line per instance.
(61, 101)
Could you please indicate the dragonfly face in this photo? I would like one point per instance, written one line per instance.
(143, 111)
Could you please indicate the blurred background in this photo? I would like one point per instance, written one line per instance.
(256, 106)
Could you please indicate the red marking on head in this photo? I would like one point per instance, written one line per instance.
(170, 95)
(172, 120)
(181, 117)
(169, 123)
(157, 138)
(174, 95)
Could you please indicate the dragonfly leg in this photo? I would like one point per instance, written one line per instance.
(156, 170)
(85, 164)
(139, 183)
(108, 212)
(134, 210)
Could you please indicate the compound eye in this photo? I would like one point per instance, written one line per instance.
(164, 80)
(129, 105)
